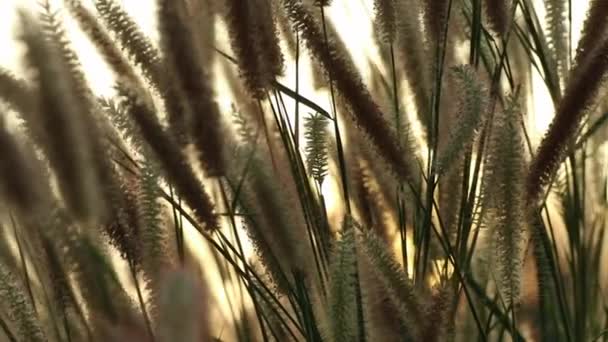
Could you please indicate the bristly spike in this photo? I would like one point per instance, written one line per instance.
(145, 55)
(123, 226)
(558, 33)
(393, 280)
(271, 55)
(55, 32)
(132, 40)
(471, 114)
(172, 160)
(152, 237)
(59, 125)
(254, 40)
(594, 29)
(342, 303)
(441, 308)
(273, 226)
(503, 197)
(386, 20)
(581, 89)
(239, 21)
(410, 33)
(348, 83)
(316, 146)
(106, 46)
(435, 16)
(95, 124)
(499, 15)
(184, 59)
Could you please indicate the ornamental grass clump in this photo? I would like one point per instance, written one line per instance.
(250, 175)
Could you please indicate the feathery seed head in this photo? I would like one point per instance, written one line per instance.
(348, 83)
(471, 112)
(386, 19)
(499, 15)
(316, 146)
(60, 124)
(503, 194)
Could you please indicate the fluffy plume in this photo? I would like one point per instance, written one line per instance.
(503, 193)
(253, 36)
(582, 86)
(316, 146)
(386, 19)
(102, 293)
(268, 35)
(64, 296)
(382, 318)
(435, 19)
(177, 47)
(103, 42)
(396, 284)
(274, 228)
(440, 308)
(342, 306)
(285, 30)
(60, 123)
(123, 226)
(499, 15)
(183, 54)
(594, 29)
(93, 120)
(173, 162)
(204, 13)
(472, 107)
(151, 235)
(558, 33)
(132, 39)
(18, 308)
(239, 20)
(410, 33)
(348, 83)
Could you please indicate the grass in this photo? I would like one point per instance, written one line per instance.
(153, 215)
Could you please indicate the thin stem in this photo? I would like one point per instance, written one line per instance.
(297, 100)
(341, 159)
(142, 304)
